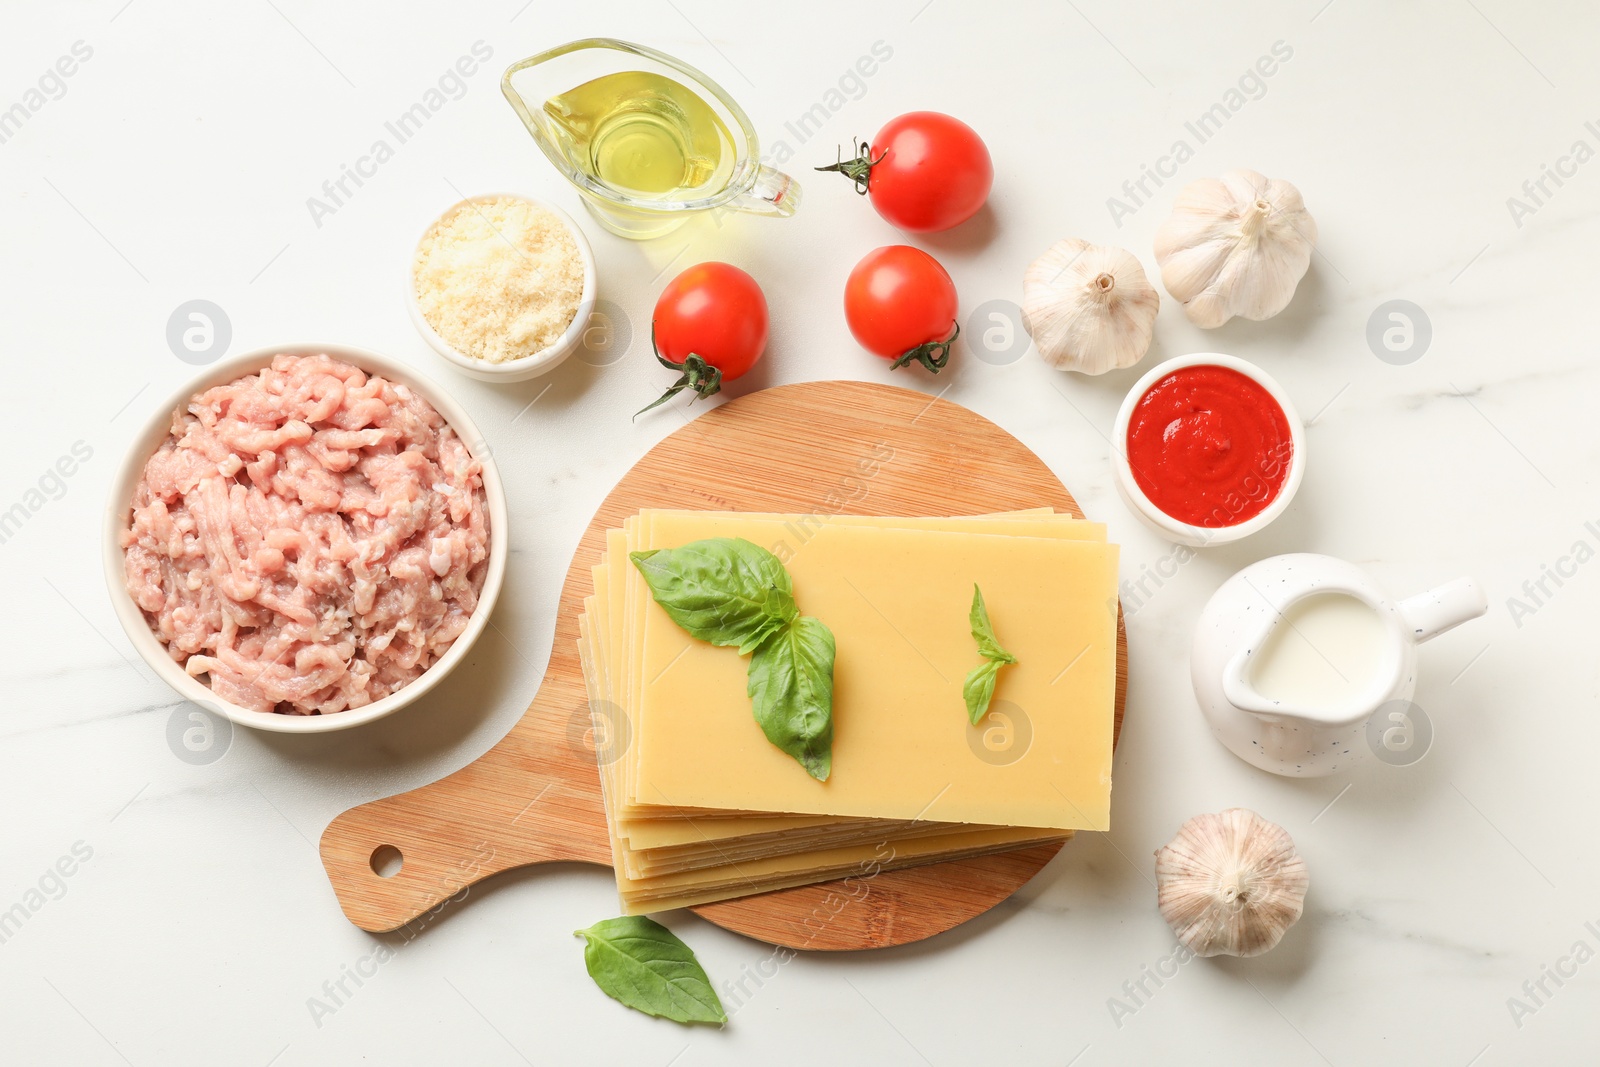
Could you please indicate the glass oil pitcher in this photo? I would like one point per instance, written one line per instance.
(647, 140)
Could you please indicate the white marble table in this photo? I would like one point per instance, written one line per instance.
(176, 163)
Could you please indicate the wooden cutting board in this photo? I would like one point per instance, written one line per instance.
(818, 447)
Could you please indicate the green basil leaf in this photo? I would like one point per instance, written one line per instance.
(724, 590)
(791, 688)
(979, 688)
(983, 630)
(644, 965)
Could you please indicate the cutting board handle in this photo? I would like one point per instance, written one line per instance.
(497, 813)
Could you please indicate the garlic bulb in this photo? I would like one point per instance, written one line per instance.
(1235, 245)
(1088, 307)
(1230, 884)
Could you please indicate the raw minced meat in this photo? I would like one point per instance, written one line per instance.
(310, 537)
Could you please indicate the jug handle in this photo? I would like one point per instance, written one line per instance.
(772, 193)
(1427, 615)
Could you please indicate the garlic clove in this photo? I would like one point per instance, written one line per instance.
(1088, 308)
(1235, 245)
(1230, 884)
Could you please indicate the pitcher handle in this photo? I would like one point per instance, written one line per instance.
(1427, 615)
(772, 193)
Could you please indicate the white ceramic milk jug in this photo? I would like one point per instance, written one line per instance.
(1295, 653)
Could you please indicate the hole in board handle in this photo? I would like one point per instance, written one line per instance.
(386, 861)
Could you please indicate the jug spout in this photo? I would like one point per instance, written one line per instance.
(1273, 713)
(1427, 615)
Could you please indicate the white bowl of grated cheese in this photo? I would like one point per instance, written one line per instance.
(501, 286)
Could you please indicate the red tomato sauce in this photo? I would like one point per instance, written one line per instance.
(1209, 446)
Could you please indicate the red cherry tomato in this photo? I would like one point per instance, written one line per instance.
(901, 304)
(924, 172)
(710, 322)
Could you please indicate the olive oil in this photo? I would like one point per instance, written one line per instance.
(644, 135)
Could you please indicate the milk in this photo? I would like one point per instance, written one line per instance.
(1322, 654)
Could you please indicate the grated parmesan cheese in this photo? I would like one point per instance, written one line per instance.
(498, 279)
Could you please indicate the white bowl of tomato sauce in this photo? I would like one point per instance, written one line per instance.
(1208, 449)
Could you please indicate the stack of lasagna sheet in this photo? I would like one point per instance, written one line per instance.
(702, 807)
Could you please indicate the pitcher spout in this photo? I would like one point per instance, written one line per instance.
(1243, 696)
(1429, 614)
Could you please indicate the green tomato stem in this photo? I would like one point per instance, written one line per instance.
(933, 355)
(697, 375)
(859, 169)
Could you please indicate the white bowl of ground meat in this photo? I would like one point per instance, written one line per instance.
(306, 538)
